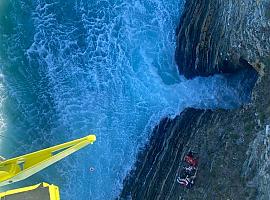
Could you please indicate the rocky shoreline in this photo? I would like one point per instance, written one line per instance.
(233, 145)
(222, 138)
(222, 36)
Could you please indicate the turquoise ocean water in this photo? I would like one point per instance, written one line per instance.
(69, 68)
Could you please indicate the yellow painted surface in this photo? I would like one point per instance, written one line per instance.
(19, 168)
(53, 190)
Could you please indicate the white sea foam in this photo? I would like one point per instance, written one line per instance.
(2, 119)
(107, 68)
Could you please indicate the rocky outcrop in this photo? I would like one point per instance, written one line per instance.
(214, 36)
(226, 142)
(158, 165)
(222, 36)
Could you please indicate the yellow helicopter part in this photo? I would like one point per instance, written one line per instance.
(19, 168)
(41, 191)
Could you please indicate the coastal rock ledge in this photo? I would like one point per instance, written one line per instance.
(214, 36)
(222, 36)
(233, 147)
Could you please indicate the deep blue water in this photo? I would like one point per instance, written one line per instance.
(70, 68)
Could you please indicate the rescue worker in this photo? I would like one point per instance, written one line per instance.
(186, 182)
(190, 159)
(190, 171)
(188, 174)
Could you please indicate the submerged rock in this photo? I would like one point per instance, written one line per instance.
(217, 36)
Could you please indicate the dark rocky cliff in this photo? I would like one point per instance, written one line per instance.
(233, 145)
(229, 166)
(222, 36)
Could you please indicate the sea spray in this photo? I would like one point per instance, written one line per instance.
(106, 68)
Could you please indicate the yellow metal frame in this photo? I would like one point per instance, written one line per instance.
(19, 168)
(53, 191)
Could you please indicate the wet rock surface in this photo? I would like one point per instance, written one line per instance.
(233, 145)
(222, 36)
(233, 162)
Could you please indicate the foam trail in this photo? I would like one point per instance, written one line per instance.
(107, 68)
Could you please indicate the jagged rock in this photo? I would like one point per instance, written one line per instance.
(214, 36)
(222, 36)
(223, 140)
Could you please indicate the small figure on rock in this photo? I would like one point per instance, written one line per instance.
(190, 159)
(188, 173)
(186, 182)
